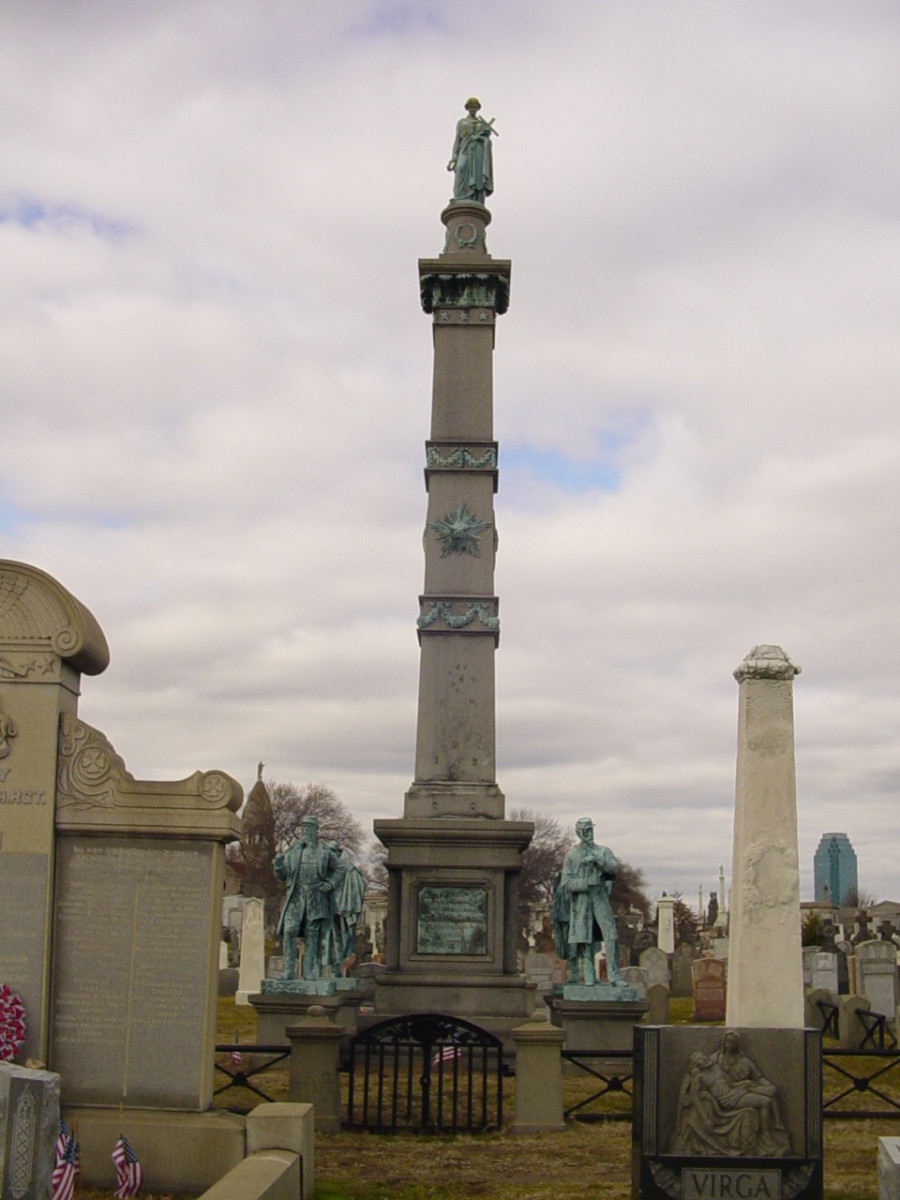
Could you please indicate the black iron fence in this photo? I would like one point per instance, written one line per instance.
(609, 1076)
(860, 1084)
(425, 1073)
(239, 1062)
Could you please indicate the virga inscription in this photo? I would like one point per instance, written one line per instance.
(452, 920)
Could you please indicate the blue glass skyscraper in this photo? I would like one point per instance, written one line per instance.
(834, 869)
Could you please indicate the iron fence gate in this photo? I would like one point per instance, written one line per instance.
(426, 1073)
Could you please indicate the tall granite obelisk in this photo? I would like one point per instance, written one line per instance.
(453, 861)
(765, 972)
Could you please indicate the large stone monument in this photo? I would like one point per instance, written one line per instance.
(453, 861)
(765, 973)
(111, 891)
(739, 1112)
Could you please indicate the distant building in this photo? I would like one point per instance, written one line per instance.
(834, 869)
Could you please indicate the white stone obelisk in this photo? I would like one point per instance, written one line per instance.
(765, 977)
(665, 918)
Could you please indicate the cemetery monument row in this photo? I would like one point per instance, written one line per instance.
(453, 860)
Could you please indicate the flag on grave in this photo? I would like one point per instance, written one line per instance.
(129, 1172)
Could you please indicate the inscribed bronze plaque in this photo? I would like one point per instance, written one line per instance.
(452, 920)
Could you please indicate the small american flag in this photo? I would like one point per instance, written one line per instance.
(446, 1054)
(129, 1172)
(63, 1180)
(236, 1058)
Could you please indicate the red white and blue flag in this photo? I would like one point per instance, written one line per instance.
(66, 1168)
(129, 1172)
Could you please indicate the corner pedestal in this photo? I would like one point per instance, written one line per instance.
(597, 1025)
(277, 1009)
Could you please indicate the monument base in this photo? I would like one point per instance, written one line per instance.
(497, 1003)
(179, 1151)
(278, 1008)
(596, 1025)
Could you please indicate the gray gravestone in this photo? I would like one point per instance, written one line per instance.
(825, 971)
(843, 973)
(29, 1125)
(808, 955)
(638, 978)
(709, 989)
(876, 969)
(253, 950)
(656, 963)
(682, 981)
(658, 999)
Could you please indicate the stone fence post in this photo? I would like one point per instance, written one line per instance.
(315, 1059)
(539, 1103)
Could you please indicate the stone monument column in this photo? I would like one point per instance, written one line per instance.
(47, 639)
(665, 931)
(453, 860)
(765, 974)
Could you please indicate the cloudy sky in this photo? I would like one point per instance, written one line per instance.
(215, 388)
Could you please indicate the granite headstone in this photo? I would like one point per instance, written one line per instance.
(708, 976)
(29, 1125)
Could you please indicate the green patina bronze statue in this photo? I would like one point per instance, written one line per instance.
(471, 159)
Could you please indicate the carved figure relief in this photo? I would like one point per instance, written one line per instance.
(726, 1106)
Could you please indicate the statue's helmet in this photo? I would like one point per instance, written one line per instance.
(309, 819)
(472, 102)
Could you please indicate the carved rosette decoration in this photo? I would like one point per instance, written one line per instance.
(12, 1023)
(7, 733)
(91, 776)
(766, 662)
(464, 290)
(90, 771)
(459, 532)
(458, 614)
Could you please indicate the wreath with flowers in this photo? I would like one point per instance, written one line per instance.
(12, 1023)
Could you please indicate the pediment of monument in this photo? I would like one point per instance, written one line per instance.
(38, 615)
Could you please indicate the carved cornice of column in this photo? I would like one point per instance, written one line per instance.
(461, 287)
(38, 614)
(766, 662)
(96, 793)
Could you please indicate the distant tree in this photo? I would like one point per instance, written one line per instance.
(375, 867)
(685, 921)
(629, 891)
(857, 899)
(811, 928)
(541, 863)
(291, 802)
